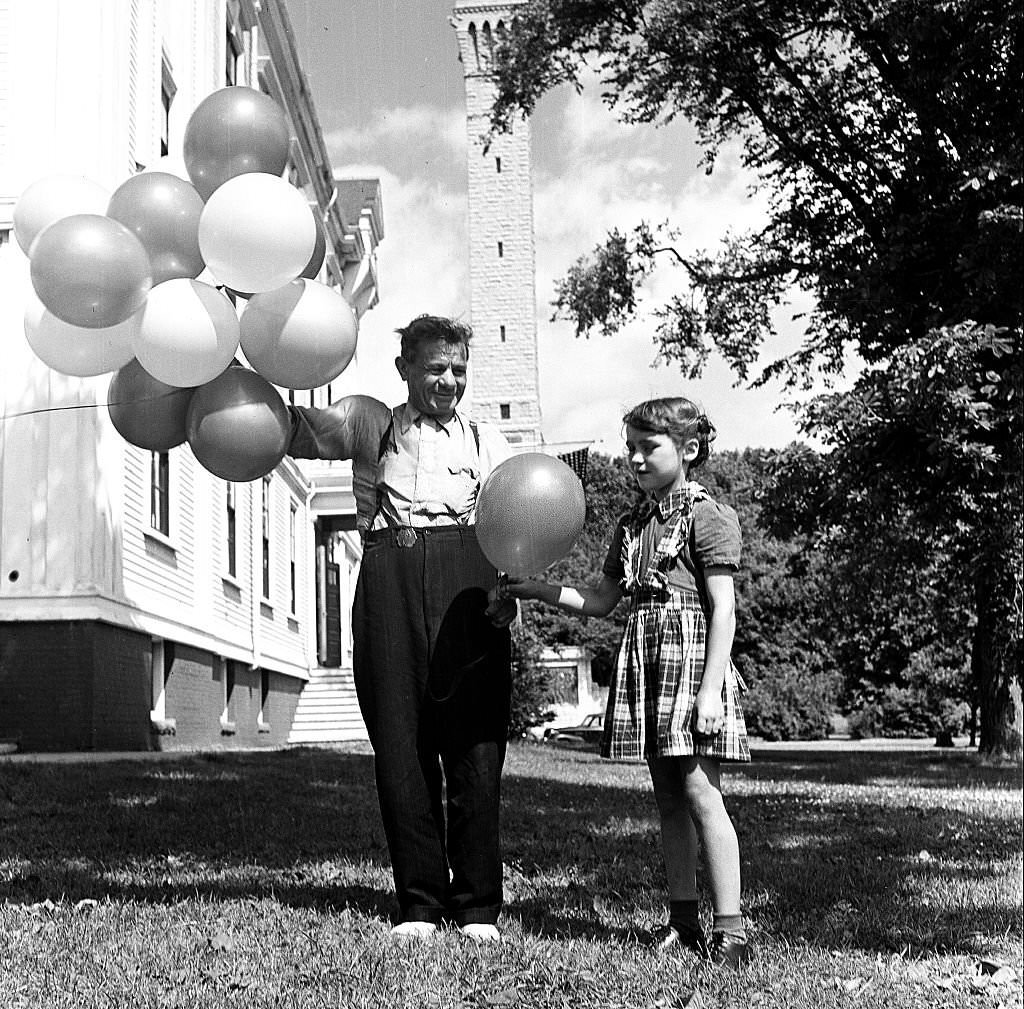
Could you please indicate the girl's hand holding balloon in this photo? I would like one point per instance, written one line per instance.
(521, 588)
(502, 609)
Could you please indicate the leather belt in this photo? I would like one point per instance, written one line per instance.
(399, 536)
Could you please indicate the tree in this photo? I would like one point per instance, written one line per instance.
(887, 136)
(935, 529)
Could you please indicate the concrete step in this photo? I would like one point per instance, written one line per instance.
(328, 711)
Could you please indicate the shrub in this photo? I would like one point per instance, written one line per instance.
(532, 691)
(789, 704)
(908, 712)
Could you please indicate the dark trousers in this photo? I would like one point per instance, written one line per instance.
(433, 679)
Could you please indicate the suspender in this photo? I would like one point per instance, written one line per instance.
(387, 440)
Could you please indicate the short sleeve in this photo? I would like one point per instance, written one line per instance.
(716, 535)
(613, 566)
(494, 448)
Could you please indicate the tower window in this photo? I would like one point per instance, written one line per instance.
(497, 165)
(501, 249)
(505, 409)
(502, 331)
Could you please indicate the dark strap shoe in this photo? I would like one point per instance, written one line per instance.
(729, 951)
(668, 939)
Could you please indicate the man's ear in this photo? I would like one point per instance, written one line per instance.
(403, 367)
(689, 449)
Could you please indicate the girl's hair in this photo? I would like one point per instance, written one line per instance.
(679, 418)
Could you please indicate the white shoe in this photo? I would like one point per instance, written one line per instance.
(414, 930)
(480, 932)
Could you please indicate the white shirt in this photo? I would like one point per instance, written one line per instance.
(429, 473)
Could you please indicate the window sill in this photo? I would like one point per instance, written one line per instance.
(161, 539)
(227, 728)
(263, 728)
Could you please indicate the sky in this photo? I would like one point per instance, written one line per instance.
(388, 90)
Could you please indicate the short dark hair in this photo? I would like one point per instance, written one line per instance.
(679, 418)
(427, 328)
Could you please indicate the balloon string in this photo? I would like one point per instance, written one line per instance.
(85, 406)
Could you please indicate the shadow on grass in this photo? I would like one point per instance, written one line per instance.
(837, 849)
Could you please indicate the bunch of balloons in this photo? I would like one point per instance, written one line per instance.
(529, 513)
(116, 289)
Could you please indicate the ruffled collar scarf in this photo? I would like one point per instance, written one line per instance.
(674, 510)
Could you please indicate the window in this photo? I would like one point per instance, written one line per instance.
(505, 409)
(227, 677)
(497, 165)
(168, 89)
(501, 250)
(162, 658)
(266, 537)
(293, 535)
(231, 528)
(159, 492)
(263, 716)
(232, 54)
(502, 331)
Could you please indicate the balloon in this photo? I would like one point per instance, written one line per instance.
(312, 269)
(299, 336)
(233, 131)
(48, 200)
(256, 233)
(90, 271)
(77, 350)
(238, 426)
(529, 513)
(163, 213)
(147, 412)
(188, 333)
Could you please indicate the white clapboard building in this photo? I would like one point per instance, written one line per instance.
(144, 602)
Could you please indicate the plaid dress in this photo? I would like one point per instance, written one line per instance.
(661, 659)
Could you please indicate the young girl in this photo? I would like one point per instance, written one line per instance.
(673, 698)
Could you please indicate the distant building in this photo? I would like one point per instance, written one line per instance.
(144, 602)
(504, 386)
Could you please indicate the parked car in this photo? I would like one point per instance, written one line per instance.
(586, 735)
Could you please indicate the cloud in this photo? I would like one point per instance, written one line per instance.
(591, 174)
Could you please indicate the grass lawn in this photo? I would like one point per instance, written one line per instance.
(261, 879)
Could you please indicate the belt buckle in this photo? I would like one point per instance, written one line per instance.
(406, 537)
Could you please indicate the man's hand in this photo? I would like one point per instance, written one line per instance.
(501, 608)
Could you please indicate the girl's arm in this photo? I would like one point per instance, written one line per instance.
(597, 600)
(709, 713)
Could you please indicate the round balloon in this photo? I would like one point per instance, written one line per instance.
(238, 426)
(188, 333)
(162, 211)
(48, 200)
(77, 350)
(233, 131)
(90, 270)
(145, 411)
(529, 513)
(299, 336)
(256, 233)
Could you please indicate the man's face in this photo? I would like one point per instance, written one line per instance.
(437, 378)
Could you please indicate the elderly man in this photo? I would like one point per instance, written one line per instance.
(431, 661)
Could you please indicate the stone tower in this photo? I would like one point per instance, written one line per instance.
(504, 384)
